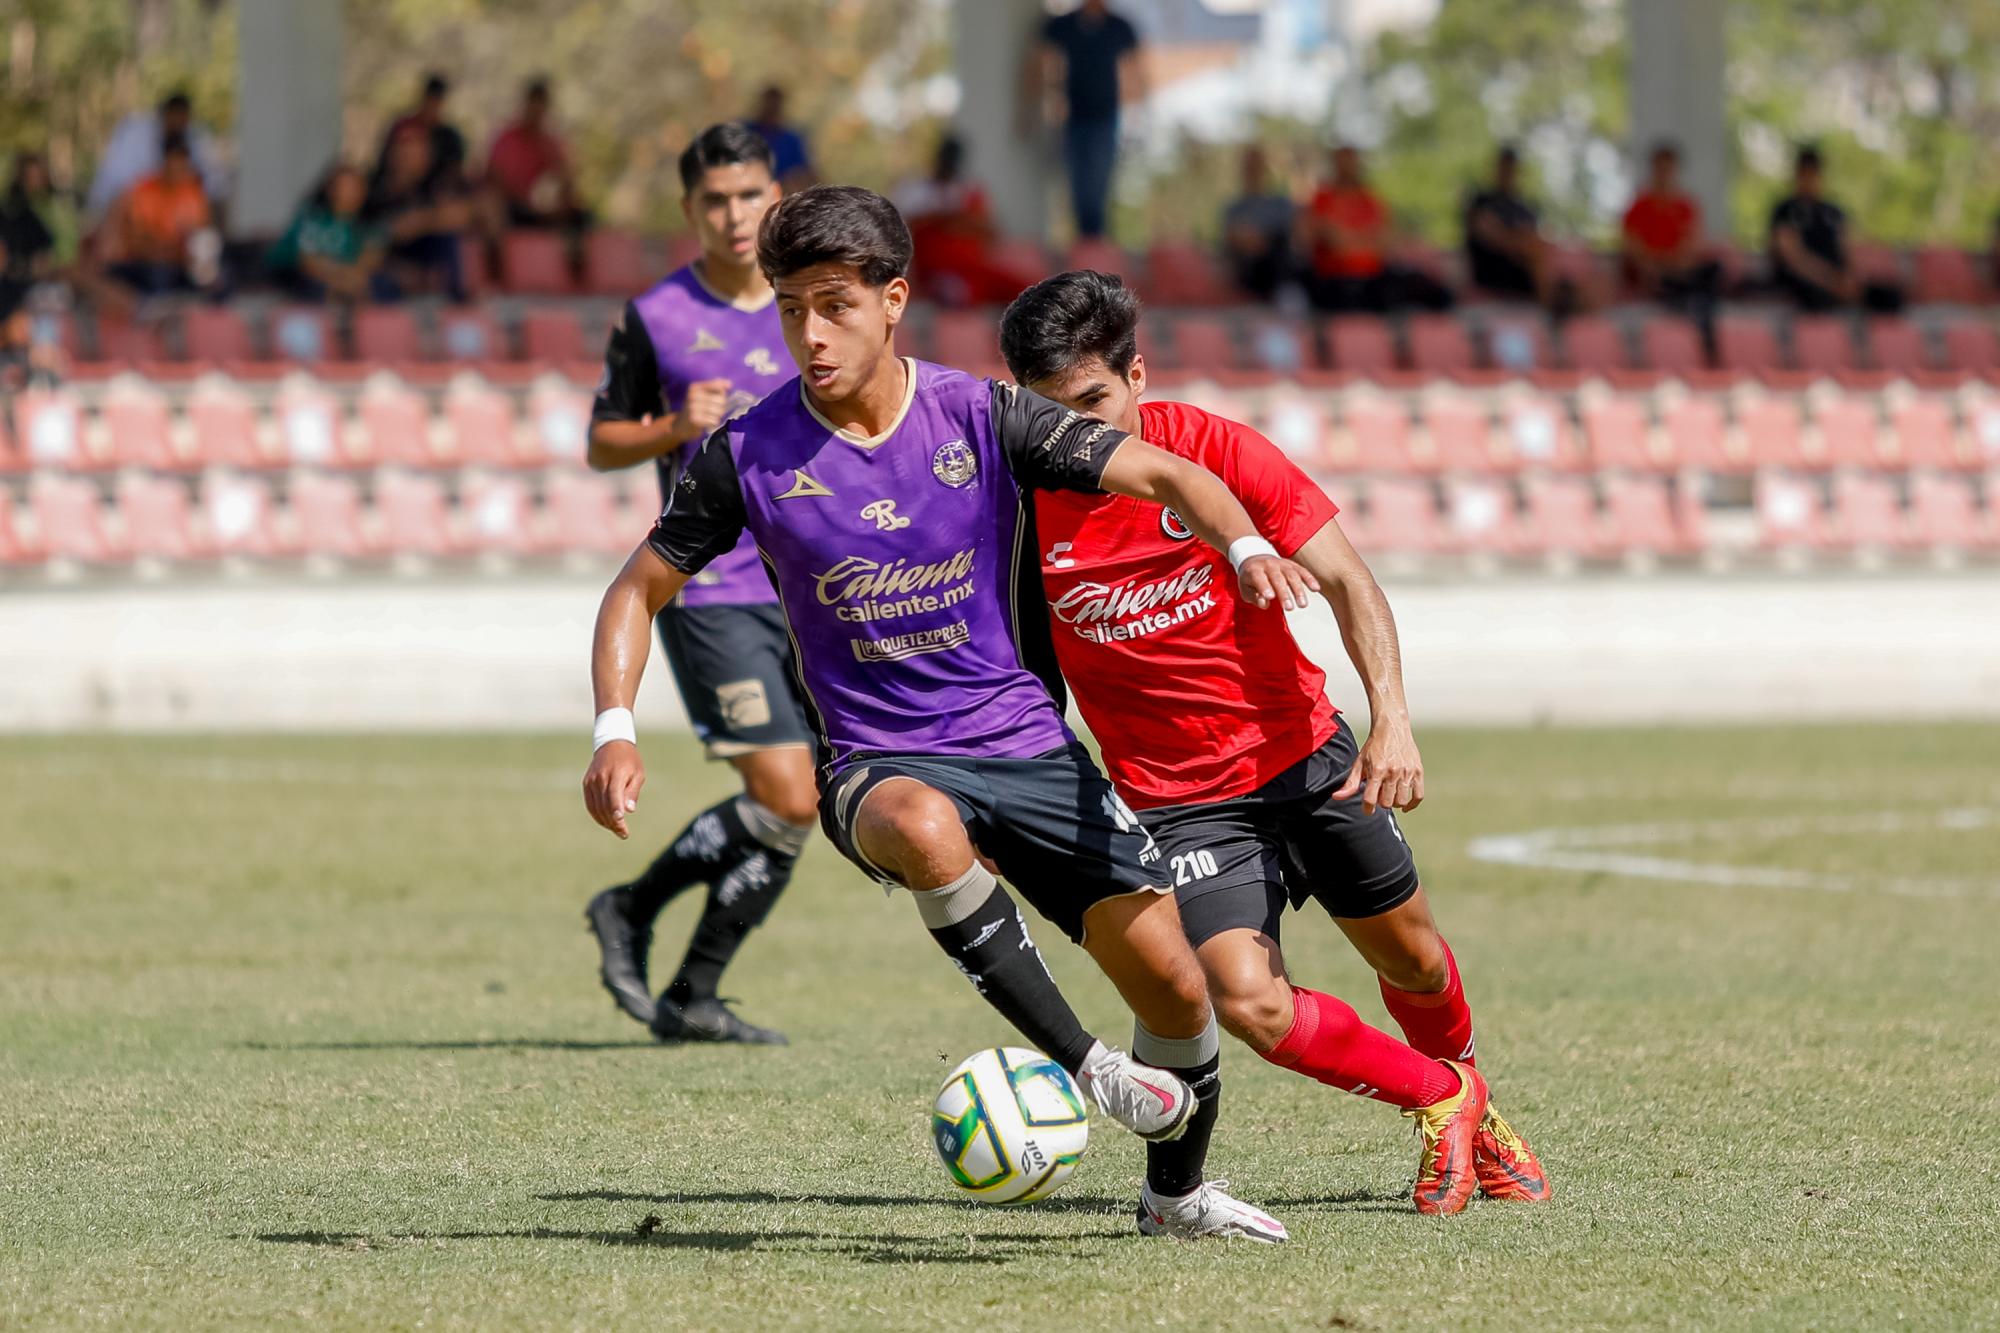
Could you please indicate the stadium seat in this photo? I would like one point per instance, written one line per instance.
(483, 428)
(240, 516)
(327, 513)
(1875, 262)
(1789, 513)
(1516, 345)
(1400, 516)
(1846, 433)
(1482, 517)
(395, 424)
(1204, 343)
(154, 514)
(583, 514)
(388, 334)
(1981, 447)
(139, 426)
(1537, 434)
(415, 519)
(1697, 435)
(1640, 518)
(1106, 257)
(1866, 514)
(227, 430)
(535, 263)
(1769, 434)
(1896, 345)
(301, 334)
(1456, 438)
(48, 425)
(1923, 434)
(1618, 436)
(17, 545)
(559, 424)
(1439, 345)
(1823, 344)
(1280, 345)
(1593, 344)
(1361, 344)
(1970, 345)
(1945, 514)
(497, 514)
(615, 263)
(127, 342)
(554, 337)
(1298, 424)
(311, 428)
(1561, 518)
(473, 334)
(1184, 275)
(70, 519)
(1947, 276)
(1746, 344)
(967, 339)
(217, 334)
(1670, 344)
(1376, 437)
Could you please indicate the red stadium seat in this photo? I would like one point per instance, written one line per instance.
(554, 337)
(1789, 513)
(49, 427)
(1400, 516)
(1298, 423)
(312, 428)
(615, 263)
(1947, 276)
(558, 425)
(17, 545)
(70, 519)
(1018, 254)
(1593, 344)
(1482, 517)
(474, 335)
(1204, 343)
(1671, 345)
(1106, 257)
(1619, 436)
(1866, 514)
(1439, 345)
(1361, 344)
(1516, 345)
(140, 426)
(535, 263)
(1848, 433)
(1377, 436)
(966, 339)
(1945, 514)
(1697, 434)
(1923, 434)
(483, 428)
(227, 430)
(1770, 435)
(1874, 262)
(1970, 345)
(415, 519)
(240, 516)
(216, 334)
(128, 342)
(1896, 345)
(1746, 344)
(1183, 274)
(1562, 517)
(387, 333)
(583, 514)
(1821, 343)
(301, 334)
(497, 514)
(1456, 438)
(1641, 519)
(396, 425)
(328, 515)
(1537, 434)
(156, 520)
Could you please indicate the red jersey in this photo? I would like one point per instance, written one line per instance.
(1194, 695)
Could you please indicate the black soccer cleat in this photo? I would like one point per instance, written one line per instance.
(708, 1019)
(622, 945)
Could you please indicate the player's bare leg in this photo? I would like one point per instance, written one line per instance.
(1421, 988)
(914, 833)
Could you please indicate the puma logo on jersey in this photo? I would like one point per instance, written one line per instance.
(805, 488)
(885, 515)
(760, 362)
(704, 341)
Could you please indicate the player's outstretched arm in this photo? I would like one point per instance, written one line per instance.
(1388, 771)
(1147, 472)
(622, 642)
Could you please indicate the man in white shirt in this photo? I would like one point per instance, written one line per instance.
(133, 153)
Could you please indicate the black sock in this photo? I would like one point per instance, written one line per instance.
(980, 929)
(738, 902)
(1175, 1168)
(712, 841)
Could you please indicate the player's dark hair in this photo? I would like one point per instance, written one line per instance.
(835, 224)
(725, 145)
(1061, 322)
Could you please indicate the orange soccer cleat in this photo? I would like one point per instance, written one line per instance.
(1446, 1175)
(1507, 1167)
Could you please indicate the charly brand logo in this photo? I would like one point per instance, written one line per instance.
(804, 487)
(1059, 556)
(865, 590)
(760, 361)
(955, 464)
(1170, 523)
(885, 515)
(704, 341)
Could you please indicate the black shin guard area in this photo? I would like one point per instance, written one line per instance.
(1175, 1168)
(737, 904)
(991, 947)
(713, 840)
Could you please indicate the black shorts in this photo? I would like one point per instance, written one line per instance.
(733, 665)
(1236, 863)
(1060, 835)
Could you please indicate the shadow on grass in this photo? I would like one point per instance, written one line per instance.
(492, 1044)
(879, 1248)
(1360, 1200)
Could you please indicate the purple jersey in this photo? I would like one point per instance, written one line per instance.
(905, 562)
(675, 334)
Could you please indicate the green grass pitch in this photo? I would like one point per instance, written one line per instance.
(307, 1031)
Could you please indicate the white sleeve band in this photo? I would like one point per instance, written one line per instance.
(613, 724)
(1246, 548)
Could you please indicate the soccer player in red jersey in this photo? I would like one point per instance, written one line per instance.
(1217, 731)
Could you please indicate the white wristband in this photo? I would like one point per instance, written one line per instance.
(613, 724)
(1247, 548)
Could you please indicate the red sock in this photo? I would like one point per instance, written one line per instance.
(1438, 1023)
(1330, 1043)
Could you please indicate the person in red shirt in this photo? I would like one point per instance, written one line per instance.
(1347, 247)
(1217, 731)
(529, 166)
(1662, 239)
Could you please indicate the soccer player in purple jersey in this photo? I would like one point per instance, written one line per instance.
(886, 496)
(700, 346)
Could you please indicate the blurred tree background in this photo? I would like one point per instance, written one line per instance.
(1904, 95)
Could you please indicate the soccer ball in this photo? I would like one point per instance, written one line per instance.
(1009, 1125)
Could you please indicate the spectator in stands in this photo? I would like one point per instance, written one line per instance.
(135, 148)
(38, 224)
(1102, 66)
(26, 247)
(331, 251)
(1808, 248)
(1347, 230)
(791, 158)
(1662, 243)
(447, 144)
(951, 227)
(161, 234)
(1257, 228)
(1505, 251)
(529, 165)
(423, 217)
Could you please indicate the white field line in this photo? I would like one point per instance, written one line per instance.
(1603, 849)
(303, 772)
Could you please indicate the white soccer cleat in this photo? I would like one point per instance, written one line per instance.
(1150, 1102)
(1207, 1212)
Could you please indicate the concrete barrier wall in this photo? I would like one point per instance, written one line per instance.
(502, 653)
